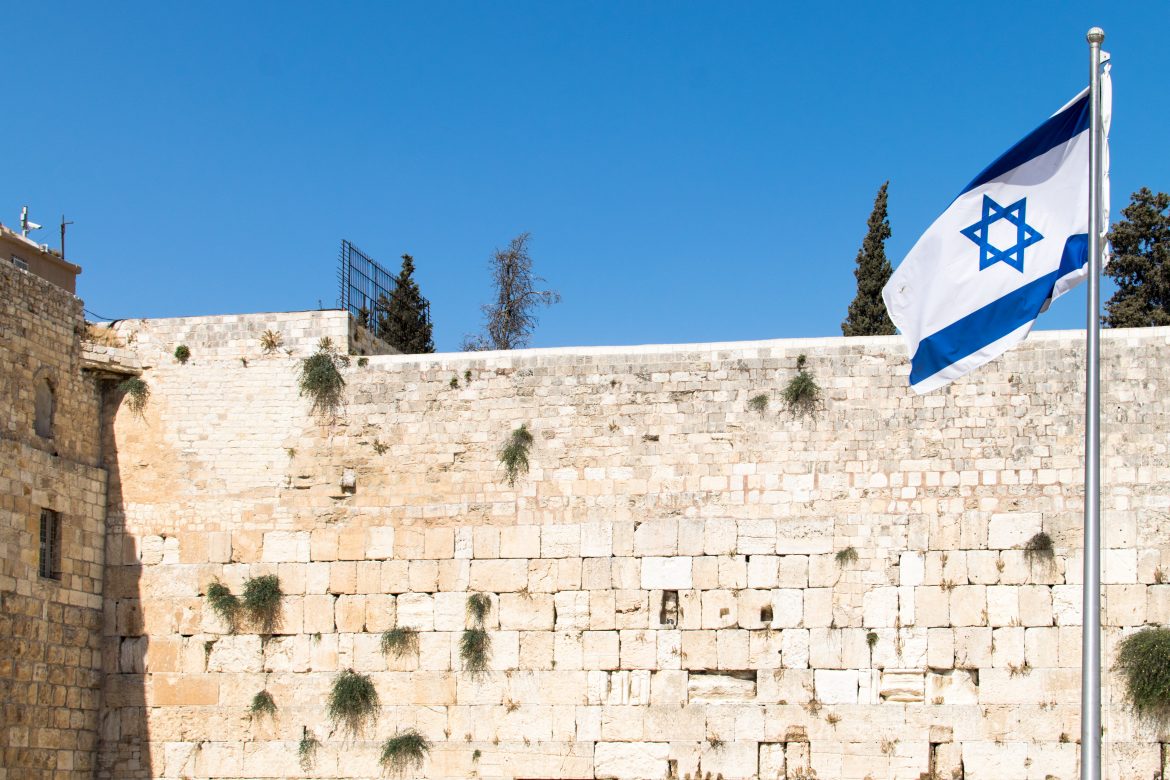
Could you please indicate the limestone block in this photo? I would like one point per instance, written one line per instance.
(972, 648)
(762, 571)
(713, 686)
(1125, 605)
(1042, 647)
(705, 572)
(784, 686)
(596, 539)
(656, 538)
(1157, 604)
(571, 608)
(318, 617)
(536, 650)
(940, 648)
(823, 571)
(911, 569)
(323, 544)
(699, 650)
(588, 723)
(416, 610)
(286, 654)
(343, 577)
(720, 537)
(765, 650)
(519, 541)
(1036, 605)
(423, 576)
(505, 650)
(719, 609)
(634, 760)
(438, 543)
(952, 686)
(560, 541)
(983, 567)
(668, 689)
(632, 609)
(771, 760)
(736, 759)
(596, 574)
(1012, 530)
(668, 649)
(690, 610)
(880, 607)
(638, 649)
(804, 536)
(666, 573)
(731, 646)
(568, 652)
(836, 686)
(602, 609)
(395, 576)
(542, 575)
(485, 542)
(450, 611)
(995, 759)
(818, 607)
(351, 544)
(499, 576)
(379, 543)
(1007, 648)
(826, 646)
(733, 572)
(350, 613)
(794, 643)
(792, 571)
(756, 536)
(787, 608)
(1119, 567)
(1003, 605)
(600, 650)
(239, 653)
(464, 543)
(526, 611)
(969, 605)
(754, 608)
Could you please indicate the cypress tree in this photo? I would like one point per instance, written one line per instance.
(1140, 263)
(867, 314)
(402, 317)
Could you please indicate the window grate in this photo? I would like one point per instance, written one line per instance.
(50, 563)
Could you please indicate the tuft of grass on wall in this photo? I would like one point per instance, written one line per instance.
(405, 751)
(321, 379)
(846, 557)
(514, 454)
(758, 403)
(475, 648)
(271, 341)
(137, 394)
(182, 353)
(307, 749)
(478, 607)
(262, 704)
(353, 702)
(1143, 659)
(802, 395)
(261, 602)
(400, 641)
(1039, 548)
(224, 604)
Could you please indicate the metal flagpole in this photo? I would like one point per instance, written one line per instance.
(1091, 597)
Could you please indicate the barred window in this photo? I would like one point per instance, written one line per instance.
(50, 567)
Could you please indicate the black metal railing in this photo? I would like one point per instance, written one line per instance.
(367, 287)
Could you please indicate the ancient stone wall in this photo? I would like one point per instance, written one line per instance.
(49, 625)
(683, 583)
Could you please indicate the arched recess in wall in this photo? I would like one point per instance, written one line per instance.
(44, 405)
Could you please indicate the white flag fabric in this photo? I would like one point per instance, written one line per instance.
(1015, 239)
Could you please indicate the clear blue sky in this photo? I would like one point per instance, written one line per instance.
(689, 172)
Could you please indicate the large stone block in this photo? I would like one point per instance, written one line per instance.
(633, 760)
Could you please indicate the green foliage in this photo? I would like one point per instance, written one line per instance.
(1143, 659)
(261, 601)
(224, 604)
(363, 362)
(380, 448)
(758, 403)
(321, 378)
(867, 313)
(716, 743)
(182, 353)
(1039, 548)
(1141, 263)
(270, 341)
(137, 393)
(405, 751)
(403, 320)
(475, 648)
(476, 754)
(307, 749)
(871, 639)
(467, 376)
(514, 454)
(478, 607)
(400, 641)
(352, 702)
(454, 383)
(511, 319)
(803, 394)
(846, 556)
(262, 704)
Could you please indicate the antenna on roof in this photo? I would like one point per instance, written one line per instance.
(63, 224)
(27, 224)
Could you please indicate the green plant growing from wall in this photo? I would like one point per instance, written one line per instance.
(467, 376)
(224, 604)
(1143, 659)
(758, 403)
(137, 394)
(514, 454)
(454, 383)
(270, 341)
(363, 362)
(261, 602)
(475, 648)
(182, 353)
(400, 641)
(846, 557)
(802, 395)
(262, 704)
(405, 751)
(478, 607)
(871, 639)
(353, 702)
(1039, 548)
(321, 379)
(307, 749)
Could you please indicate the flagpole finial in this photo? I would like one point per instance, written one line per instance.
(1095, 35)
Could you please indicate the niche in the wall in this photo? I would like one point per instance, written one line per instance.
(44, 407)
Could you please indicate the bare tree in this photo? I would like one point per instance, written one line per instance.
(510, 320)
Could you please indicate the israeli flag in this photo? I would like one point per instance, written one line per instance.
(1015, 239)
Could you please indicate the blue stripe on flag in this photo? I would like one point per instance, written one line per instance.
(995, 320)
(1057, 130)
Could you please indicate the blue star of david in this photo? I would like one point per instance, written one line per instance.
(989, 254)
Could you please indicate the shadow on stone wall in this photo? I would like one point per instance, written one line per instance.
(124, 746)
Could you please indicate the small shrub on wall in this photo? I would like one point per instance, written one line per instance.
(1143, 659)
(353, 702)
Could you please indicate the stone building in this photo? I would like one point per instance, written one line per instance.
(686, 580)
